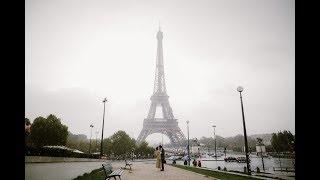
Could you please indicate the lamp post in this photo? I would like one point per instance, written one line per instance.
(260, 144)
(240, 89)
(91, 126)
(188, 144)
(162, 140)
(104, 107)
(97, 132)
(132, 154)
(215, 141)
(198, 145)
(292, 149)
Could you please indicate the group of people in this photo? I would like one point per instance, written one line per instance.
(159, 154)
(194, 162)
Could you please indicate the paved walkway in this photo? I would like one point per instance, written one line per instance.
(61, 170)
(148, 170)
(140, 170)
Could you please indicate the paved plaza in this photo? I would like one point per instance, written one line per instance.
(148, 170)
(58, 170)
(140, 170)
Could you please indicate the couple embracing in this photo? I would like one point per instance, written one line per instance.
(159, 154)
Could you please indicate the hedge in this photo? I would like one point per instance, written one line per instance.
(56, 152)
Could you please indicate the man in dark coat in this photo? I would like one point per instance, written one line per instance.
(162, 158)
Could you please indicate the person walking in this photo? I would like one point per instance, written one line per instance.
(158, 157)
(162, 158)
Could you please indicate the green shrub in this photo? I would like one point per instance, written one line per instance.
(57, 152)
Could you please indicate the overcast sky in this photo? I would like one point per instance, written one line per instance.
(80, 51)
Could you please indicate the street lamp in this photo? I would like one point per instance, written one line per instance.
(132, 154)
(162, 140)
(260, 144)
(91, 126)
(293, 158)
(240, 89)
(188, 144)
(104, 107)
(97, 132)
(215, 141)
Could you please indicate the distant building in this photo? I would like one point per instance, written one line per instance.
(195, 149)
(261, 148)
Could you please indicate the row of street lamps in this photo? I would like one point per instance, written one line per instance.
(239, 89)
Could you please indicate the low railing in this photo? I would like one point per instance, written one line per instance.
(286, 169)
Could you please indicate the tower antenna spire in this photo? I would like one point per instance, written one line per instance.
(159, 26)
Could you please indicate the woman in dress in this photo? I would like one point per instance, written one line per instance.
(158, 157)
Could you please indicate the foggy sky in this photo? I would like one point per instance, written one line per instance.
(80, 51)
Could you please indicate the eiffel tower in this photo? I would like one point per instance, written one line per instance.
(166, 125)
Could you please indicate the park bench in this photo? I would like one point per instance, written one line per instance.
(128, 163)
(110, 173)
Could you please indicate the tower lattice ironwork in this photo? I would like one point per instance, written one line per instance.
(167, 125)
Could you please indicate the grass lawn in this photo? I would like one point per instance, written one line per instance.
(96, 174)
(219, 175)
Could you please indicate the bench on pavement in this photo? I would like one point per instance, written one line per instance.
(110, 173)
(128, 163)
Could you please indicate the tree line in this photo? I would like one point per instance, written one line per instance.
(50, 131)
(275, 142)
(283, 141)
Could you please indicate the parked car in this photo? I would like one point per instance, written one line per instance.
(242, 159)
(174, 158)
(230, 159)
